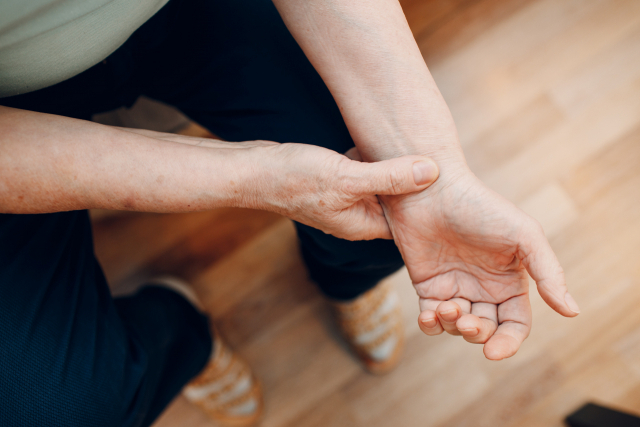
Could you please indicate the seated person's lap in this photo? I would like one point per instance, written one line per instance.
(72, 352)
(233, 67)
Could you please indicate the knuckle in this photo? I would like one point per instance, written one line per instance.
(347, 182)
(396, 181)
(348, 185)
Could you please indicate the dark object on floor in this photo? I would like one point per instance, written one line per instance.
(592, 415)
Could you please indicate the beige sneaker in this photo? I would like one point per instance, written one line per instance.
(374, 327)
(226, 390)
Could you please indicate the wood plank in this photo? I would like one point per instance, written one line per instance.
(510, 65)
(558, 152)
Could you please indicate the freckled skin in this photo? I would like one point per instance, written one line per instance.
(52, 163)
(341, 199)
(129, 204)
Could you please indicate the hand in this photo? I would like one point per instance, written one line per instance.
(468, 251)
(318, 187)
(329, 191)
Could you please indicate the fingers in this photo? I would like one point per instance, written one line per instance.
(505, 342)
(439, 316)
(501, 329)
(480, 325)
(514, 317)
(450, 311)
(428, 319)
(543, 266)
(476, 330)
(401, 175)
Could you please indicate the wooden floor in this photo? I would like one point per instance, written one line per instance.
(546, 96)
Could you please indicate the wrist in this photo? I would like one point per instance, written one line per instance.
(258, 172)
(426, 129)
(445, 150)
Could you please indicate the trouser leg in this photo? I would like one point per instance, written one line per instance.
(69, 354)
(232, 66)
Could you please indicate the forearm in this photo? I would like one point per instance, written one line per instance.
(368, 58)
(52, 163)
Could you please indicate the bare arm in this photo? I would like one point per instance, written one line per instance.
(467, 249)
(368, 58)
(51, 163)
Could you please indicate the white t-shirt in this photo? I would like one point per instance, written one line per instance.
(43, 42)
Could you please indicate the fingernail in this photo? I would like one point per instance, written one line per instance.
(571, 303)
(474, 330)
(431, 323)
(424, 172)
(449, 315)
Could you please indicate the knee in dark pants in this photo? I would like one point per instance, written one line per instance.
(43, 400)
(344, 269)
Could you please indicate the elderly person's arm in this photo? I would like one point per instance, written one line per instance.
(467, 249)
(50, 163)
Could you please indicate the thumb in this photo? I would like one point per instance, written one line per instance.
(544, 268)
(396, 176)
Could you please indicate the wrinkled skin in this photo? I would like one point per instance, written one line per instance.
(316, 186)
(468, 250)
(331, 192)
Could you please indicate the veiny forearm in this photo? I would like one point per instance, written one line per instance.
(368, 58)
(52, 163)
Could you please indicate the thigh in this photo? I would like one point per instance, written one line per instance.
(233, 66)
(59, 330)
(69, 354)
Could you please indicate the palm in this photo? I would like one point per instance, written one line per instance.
(466, 249)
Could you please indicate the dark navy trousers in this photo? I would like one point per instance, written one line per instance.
(70, 354)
